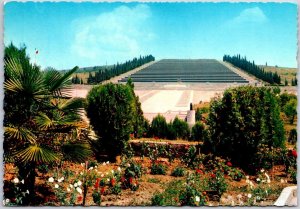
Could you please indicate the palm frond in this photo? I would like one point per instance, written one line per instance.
(43, 121)
(20, 133)
(76, 152)
(35, 153)
(56, 81)
(71, 104)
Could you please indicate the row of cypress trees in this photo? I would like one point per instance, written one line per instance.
(115, 70)
(252, 68)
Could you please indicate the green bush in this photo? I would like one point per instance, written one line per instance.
(110, 110)
(243, 119)
(159, 127)
(292, 136)
(181, 128)
(158, 169)
(198, 132)
(200, 111)
(178, 172)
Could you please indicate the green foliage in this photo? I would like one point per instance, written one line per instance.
(96, 197)
(178, 171)
(290, 110)
(158, 169)
(110, 110)
(241, 121)
(200, 111)
(217, 182)
(159, 127)
(39, 121)
(191, 158)
(181, 128)
(292, 136)
(198, 132)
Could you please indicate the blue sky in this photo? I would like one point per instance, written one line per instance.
(88, 34)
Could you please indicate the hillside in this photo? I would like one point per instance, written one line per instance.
(283, 72)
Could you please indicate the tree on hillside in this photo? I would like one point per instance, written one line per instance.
(241, 121)
(41, 126)
(198, 132)
(111, 111)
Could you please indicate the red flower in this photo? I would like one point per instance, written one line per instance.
(113, 182)
(79, 199)
(229, 164)
(198, 171)
(213, 175)
(156, 138)
(130, 180)
(123, 179)
(102, 190)
(294, 153)
(97, 183)
(131, 135)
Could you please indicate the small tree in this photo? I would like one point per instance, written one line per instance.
(159, 126)
(181, 128)
(198, 132)
(110, 110)
(241, 121)
(290, 110)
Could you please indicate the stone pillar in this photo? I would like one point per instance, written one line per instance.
(191, 118)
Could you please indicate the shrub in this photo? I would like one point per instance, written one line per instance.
(198, 132)
(191, 158)
(159, 126)
(181, 128)
(216, 182)
(200, 111)
(178, 171)
(292, 136)
(110, 110)
(242, 120)
(290, 110)
(158, 169)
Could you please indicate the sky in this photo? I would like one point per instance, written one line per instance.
(69, 34)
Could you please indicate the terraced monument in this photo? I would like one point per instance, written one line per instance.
(186, 70)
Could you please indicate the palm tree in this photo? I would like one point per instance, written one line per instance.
(42, 124)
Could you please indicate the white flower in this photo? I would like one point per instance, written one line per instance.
(27, 191)
(267, 192)
(103, 164)
(91, 168)
(56, 186)
(107, 162)
(79, 183)
(112, 171)
(251, 184)
(262, 170)
(119, 169)
(68, 189)
(96, 166)
(247, 181)
(102, 175)
(249, 195)
(281, 181)
(51, 179)
(71, 185)
(82, 164)
(258, 179)
(232, 203)
(128, 165)
(22, 181)
(241, 203)
(258, 197)
(59, 180)
(247, 177)
(268, 181)
(7, 200)
(106, 173)
(197, 198)
(75, 185)
(81, 173)
(108, 180)
(79, 190)
(16, 180)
